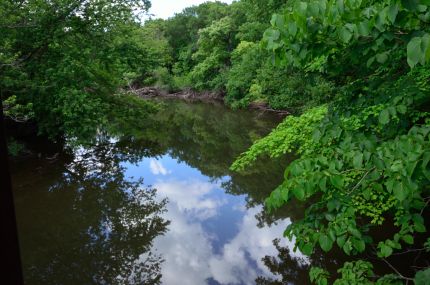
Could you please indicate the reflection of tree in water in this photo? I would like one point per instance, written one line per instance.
(293, 270)
(206, 136)
(93, 200)
(93, 226)
(210, 137)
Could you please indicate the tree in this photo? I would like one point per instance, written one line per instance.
(66, 57)
(364, 156)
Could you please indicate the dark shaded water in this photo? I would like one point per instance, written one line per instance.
(158, 206)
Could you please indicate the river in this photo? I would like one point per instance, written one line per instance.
(157, 206)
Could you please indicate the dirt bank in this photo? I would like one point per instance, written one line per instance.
(191, 95)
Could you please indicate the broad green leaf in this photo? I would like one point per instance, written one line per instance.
(325, 242)
(385, 250)
(307, 249)
(370, 61)
(292, 28)
(359, 245)
(345, 35)
(402, 109)
(299, 192)
(400, 191)
(426, 159)
(382, 57)
(341, 241)
(422, 277)
(347, 247)
(425, 47)
(337, 181)
(277, 20)
(408, 239)
(414, 52)
(410, 4)
(392, 13)
(357, 161)
(329, 217)
(384, 117)
(356, 233)
(323, 184)
(397, 166)
(363, 28)
(419, 227)
(332, 204)
(332, 234)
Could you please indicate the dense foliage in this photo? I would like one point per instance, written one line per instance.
(217, 47)
(364, 159)
(61, 61)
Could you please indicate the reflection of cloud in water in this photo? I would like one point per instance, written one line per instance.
(251, 244)
(191, 198)
(188, 249)
(157, 167)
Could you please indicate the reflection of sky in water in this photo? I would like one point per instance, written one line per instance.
(212, 238)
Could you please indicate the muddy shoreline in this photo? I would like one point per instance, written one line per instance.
(205, 96)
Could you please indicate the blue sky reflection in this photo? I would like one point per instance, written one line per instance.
(212, 237)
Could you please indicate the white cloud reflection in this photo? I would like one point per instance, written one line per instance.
(190, 198)
(157, 167)
(188, 249)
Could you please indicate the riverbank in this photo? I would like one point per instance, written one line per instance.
(202, 96)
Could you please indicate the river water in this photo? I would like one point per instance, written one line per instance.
(159, 206)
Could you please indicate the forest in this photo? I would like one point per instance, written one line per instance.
(353, 76)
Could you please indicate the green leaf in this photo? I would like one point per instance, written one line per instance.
(370, 61)
(277, 20)
(359, 245)
(422, 277)
(400, 191)
(392, 13)
(416, 51)
(385, 250)
(299, 192)
(292, 28)
(337, 181)
(419, 227)
(345, 35)
(356, 233)
(329, 217)
(402, 109)
(408, 239)
(341, 241)
(382, 57)
(410, 4)
(384, 117)
(347, 247)
(363, 28)
(397, 166)
(326, 242)
(426, 159)
(332, 204)
(307, 249)
(332, 234)
(357, 161)
(323, 184)
(419, 223)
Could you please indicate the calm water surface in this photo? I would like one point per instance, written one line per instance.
(157, 206)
